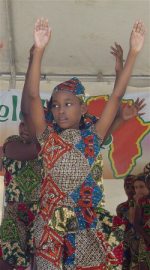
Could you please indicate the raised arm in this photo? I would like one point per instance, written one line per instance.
(31, 92)
(25, 107)
(117, 51)
(111, 108)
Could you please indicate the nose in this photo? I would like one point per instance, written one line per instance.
(61, 109)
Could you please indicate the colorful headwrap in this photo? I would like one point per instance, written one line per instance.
(73, 85)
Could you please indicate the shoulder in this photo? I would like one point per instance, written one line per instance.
(13, 138)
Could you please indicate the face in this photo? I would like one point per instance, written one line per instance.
(67, 110)
(141, 189)
(24, 133)
(129, 189)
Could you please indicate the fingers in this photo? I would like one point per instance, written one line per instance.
(42, 24)
(117, 50)
(140, 114)
(139, 104)
(139, 27)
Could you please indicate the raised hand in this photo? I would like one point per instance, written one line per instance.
(117, 51)
(137, 37)
(42, 33)
(133, 110)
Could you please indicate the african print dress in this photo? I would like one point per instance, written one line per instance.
(68, 230)
(130, 241)
(22, 184)
(144, 248)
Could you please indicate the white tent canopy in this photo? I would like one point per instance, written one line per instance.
(82, 33)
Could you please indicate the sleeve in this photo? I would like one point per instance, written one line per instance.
(93, 129)
(44, 137)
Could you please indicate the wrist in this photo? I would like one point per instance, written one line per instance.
(38, 52)
(133, 52)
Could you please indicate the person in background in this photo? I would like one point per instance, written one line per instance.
(22, 181)
(142, 217)
(122, 211)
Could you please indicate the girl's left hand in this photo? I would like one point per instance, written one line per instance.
(42, 33)
(137, 37)
(133, 110)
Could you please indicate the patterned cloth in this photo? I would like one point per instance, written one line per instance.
(69, 231)
(131, 240)
(22, 184)
(144, 248)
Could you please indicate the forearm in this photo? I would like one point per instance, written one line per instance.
(122, 81)
(118, 73)
(32, 80)
(25, 94)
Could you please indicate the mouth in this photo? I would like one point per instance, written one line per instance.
(62, 120)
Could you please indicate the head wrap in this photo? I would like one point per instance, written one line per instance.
(73, 86)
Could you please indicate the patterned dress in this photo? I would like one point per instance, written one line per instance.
(68, 229)
(131, 240)
(22, 184)
(144, 248)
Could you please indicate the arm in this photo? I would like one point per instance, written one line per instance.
(20, 151)
(117, 51)
(42, 35)
(111, 108)
(25, 108)
(129, 110)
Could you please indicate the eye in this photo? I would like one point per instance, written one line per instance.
(68, 104)
(55, 106)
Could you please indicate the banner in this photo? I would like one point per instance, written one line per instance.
(125, 151)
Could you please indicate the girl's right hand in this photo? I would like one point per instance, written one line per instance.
(42, 33)
(117, 51)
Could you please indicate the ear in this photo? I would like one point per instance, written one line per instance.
(84, 109)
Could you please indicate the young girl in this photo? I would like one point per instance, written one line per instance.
(22, 184)
(67, 230)
(142, 219)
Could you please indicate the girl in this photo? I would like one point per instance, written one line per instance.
(22, 183)
(142, 219)
(68, 232)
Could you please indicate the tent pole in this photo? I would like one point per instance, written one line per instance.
(11, 49)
